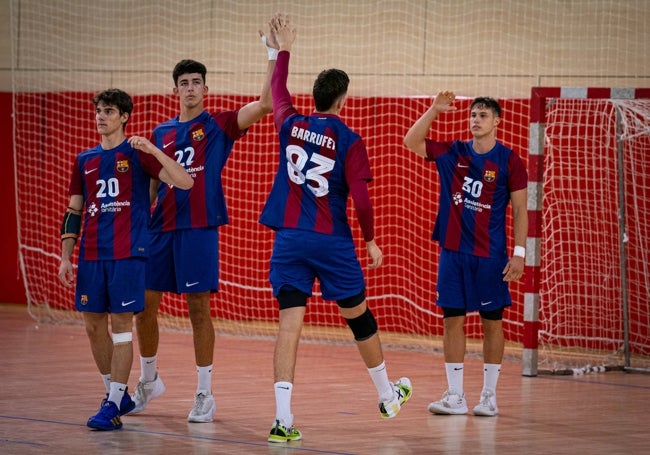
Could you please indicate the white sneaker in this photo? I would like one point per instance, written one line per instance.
(487, 405)
(402, 393)
(451, 403)
(204, 408)
(147, 391)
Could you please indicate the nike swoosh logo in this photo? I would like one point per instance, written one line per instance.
(282, 387)
(189, 285)
(89, 171)
(167, 144)
(128, 303)
(486, 303)
(462, 165)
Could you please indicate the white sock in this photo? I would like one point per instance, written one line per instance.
(148, 368)
(455, 377)
(205, 379)
(106, 378)
(116, 393)
(491, 376)
(379, 377)
(283, 391)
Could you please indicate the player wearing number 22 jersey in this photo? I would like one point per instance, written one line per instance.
(201, 145)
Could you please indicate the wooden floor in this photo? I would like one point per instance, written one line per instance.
(49, 386)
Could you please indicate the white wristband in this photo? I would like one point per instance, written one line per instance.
(519, 251)
(273, 53)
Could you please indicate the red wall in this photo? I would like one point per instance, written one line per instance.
(11, 284)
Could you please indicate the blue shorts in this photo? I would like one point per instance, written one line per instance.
(184, 261)
(471, 283)
(299, 257)
(110, 286)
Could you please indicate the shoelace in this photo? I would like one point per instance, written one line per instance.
(139, 392)
(446, 398)
(200, 398)
(485, 400)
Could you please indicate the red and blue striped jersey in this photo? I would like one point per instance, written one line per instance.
(319, 155)
(202, 146)
(474, 195)
(115, 186)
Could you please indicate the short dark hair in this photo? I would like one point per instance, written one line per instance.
(115, 97)
(328, 87)
(485, 102)
(188, 67)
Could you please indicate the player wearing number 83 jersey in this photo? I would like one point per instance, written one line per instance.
(319, 159)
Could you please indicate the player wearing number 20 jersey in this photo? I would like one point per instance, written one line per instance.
(115, 186)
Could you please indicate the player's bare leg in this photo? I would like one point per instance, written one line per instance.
(370, 349)
(202, 327)
(454, 339)
(493, 347)
(121, 323)
(454, 343)
(150, 385)
(391, 395)
(493, 342)
(101, 344)
(286, 344)
(203, 334)
(284, 365)
(146, 324)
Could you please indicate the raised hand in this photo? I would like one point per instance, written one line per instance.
(284, 34)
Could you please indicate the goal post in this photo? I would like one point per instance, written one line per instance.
(588, 239)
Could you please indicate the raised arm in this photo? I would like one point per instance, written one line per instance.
(171, 173)
(417, 134)
(255, 110)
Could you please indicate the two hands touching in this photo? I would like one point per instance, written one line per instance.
(281, 34)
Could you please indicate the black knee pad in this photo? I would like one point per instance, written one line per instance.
(291, 297)
(364, 326)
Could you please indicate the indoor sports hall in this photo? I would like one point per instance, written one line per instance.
(573, 79)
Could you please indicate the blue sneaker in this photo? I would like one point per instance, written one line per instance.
(107, 419)
(126, 405)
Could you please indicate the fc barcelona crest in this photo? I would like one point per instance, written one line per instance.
(489, 176)
(198, 135)
(122, 165)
